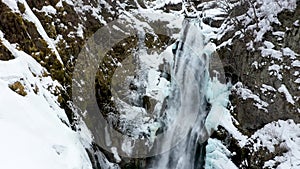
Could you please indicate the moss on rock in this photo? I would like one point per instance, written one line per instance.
(18, 88)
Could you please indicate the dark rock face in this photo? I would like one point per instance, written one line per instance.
(238, 62)
(240, 66)
(292, 36)
(5, 54)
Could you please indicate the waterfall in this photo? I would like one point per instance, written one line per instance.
(151, 106)
(187, 105)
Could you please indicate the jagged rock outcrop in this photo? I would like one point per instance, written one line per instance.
(264, 74)
(239, 63)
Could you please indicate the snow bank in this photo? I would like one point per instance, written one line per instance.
(285, 135)
(35, 131)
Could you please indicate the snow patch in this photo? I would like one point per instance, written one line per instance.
(49, 10)
(218, 156)
(296, 63)
(289, 52)
(288, 96)
(282, 134)
(247, 94)
(275, 70)
(265, 52)
(115, 153)
(12, 4)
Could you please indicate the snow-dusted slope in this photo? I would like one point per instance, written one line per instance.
(35, 131)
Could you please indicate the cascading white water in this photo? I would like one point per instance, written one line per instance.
(188, 101)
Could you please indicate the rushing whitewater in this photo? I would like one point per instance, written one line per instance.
(188, 102)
